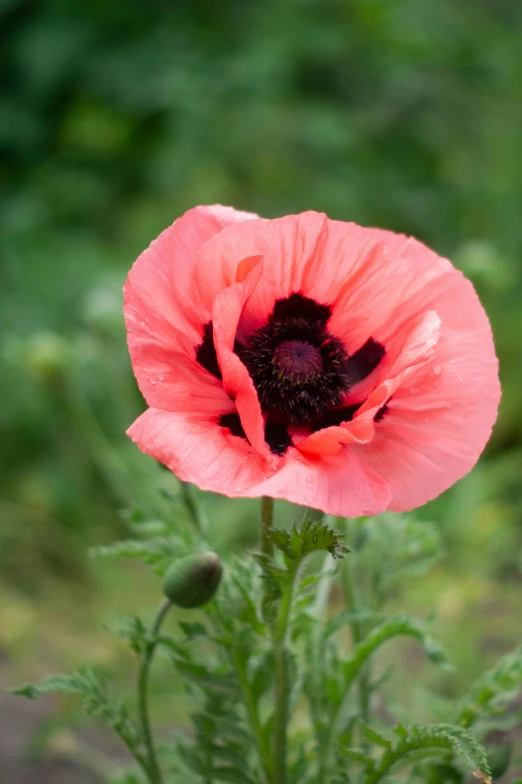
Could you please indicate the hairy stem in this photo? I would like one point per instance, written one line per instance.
(267, 521)
(358, 634)
(282, 691)
(279, 639)
(153, 769)
(249, 701)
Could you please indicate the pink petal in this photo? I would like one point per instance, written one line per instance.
(227, 309)
(413, 348)
(339, 484)
(164, 325)
(440, 419)
(291, 261)
(198, 450)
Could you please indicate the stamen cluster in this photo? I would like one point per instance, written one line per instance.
(298, 368)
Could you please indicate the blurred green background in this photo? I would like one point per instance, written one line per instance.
(117, 117)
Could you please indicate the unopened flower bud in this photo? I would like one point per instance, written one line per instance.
(192, 581)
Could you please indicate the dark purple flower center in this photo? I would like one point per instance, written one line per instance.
(301, 372)
(297, 360)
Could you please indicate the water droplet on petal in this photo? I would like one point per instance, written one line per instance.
(413, 390)
(437, 370)
(153, 381)
(160, 379)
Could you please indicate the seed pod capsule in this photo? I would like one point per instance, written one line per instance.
(193, 580)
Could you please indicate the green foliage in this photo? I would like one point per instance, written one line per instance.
(393, 548)
(308, 538)
(96, 701)
(157, 552)
(490, 693)
(394, 627)
(265, 650)
(441, 737)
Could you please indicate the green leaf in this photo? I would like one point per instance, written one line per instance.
(357, 755)
(310, 537)
(96, 702)
(347, 617)
(497, 686)
(439, 737)
(400, 625)
(373, 736)
(132, 629)
(262, 674)
(191, 758)
(500, 757)
(59, 684)
(397, 547)
(157, 552)
(193, 631)
(205, 677)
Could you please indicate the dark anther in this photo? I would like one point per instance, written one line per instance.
(233, 423)
(336, 417)
(206, 352)
(381, 413)
(364, 361)
(277, 437)
(297, 366)
(298, 306)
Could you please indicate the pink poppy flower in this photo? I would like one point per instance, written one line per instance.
(343, 368)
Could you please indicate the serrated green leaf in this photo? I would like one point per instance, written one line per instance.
(310, 537)
(231, 729)
(439, 737)
(347, 617)
(355, 754)
(495, 687)
(95, 699)
(261, 675)
(199, 674)
(157, 552)
(374, 736)
(193, 631)
(227, 754)
(191, 758)
(59, 684)
(132, 629)
(400, 625)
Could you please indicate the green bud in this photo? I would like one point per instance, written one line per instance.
(193, 580)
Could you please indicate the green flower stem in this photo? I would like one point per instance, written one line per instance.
(281, 658)
(282, 691)
(249, 701)
(349, 593)
(267, 520)
(358, 635)
(253, 715)
(153, 770)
